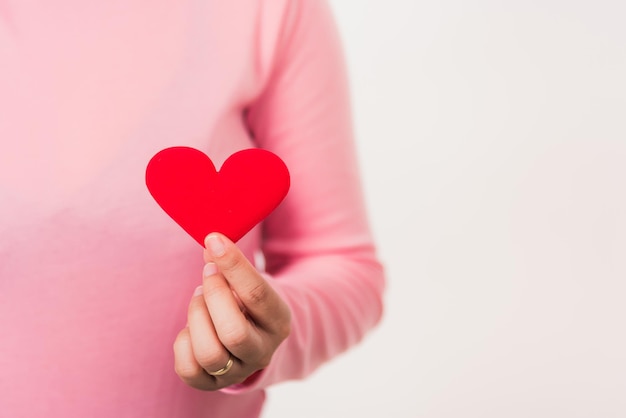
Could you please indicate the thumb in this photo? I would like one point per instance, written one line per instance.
(255, 293)
(226, 255)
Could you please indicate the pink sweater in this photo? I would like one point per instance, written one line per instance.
(94, 277)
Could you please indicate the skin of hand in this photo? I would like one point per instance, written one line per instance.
(234, 313)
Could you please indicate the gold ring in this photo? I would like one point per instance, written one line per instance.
(224, 369)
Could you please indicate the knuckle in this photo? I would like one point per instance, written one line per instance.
(264, 361)
(182, 340)
(184, 366)
(186, 370)
(283, 327)
(283, 330)
(215, 289)
(195, 305)
(234, 337)
(263, 357)
(183, 336)
(231, 261)
(210, 360)
(257, 294)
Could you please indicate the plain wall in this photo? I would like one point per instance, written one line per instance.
(492, 136)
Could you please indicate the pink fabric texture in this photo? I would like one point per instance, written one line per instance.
(94, 278)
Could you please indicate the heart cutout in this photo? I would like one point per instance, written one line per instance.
(249, 186)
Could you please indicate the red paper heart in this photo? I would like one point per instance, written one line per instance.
(249, 186)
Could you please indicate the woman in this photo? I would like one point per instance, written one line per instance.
(96, 282)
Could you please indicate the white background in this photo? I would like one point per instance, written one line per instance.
(492, 136)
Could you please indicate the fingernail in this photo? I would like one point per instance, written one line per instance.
(209, 269)
(198, 291)
(215, 245)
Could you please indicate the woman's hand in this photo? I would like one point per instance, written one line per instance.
(235, 314)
